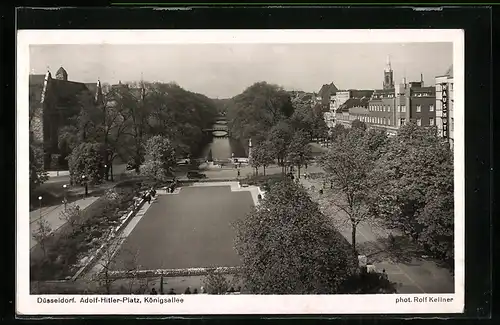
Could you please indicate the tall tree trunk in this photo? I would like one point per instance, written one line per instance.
(298, 171)
(111, 167)
(264, 170)
(353, 237)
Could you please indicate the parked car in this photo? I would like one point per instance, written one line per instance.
(184, 161)
(197, 175)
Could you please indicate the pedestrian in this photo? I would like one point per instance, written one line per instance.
(238, 173)
(153, 291)
(148, 198)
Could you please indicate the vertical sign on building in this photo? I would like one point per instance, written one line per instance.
(444, 105)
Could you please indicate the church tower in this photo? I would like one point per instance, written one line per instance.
(388, 75)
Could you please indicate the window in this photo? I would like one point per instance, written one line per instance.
(403, 108)
(419, 108)
(388, 121)
(452, 124)
(431, 121)
(388, 108)
(431, 108)
(399, 108)
(419, 122)
(402, 121)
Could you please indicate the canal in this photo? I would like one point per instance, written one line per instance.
(222, 145)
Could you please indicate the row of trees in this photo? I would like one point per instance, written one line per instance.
(405, 181)
(280, 130)
(120, 124)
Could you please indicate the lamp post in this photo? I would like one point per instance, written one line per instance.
(40, 200)
(106, 171)
(84, 180)
(65, 186)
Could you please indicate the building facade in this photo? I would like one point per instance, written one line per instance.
(392, 106)
(53, 102)
(444, 106)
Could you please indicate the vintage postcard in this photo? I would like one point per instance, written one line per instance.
(240, 172)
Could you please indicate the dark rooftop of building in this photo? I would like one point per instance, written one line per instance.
(353, 102)
(327, 89)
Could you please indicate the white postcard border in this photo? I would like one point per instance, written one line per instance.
(27, 304)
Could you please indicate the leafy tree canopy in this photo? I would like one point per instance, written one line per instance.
(87, 160)
(288, 246)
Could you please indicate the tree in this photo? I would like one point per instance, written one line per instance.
(215, 282)
(254, 112)
(155, 170)
(287, 246)
(299, 150)
(261, 156)
(42, 234)
(414, 188)
(348, 166)
(279, 139)
(87, 160)
(375, 142)
(71, 215)
(160, 158)
(37, 173)
(179, 115)
(127, 262)
(337, 131)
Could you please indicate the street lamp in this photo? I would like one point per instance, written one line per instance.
(65, 186)
(40, 200)
(84, 180)
(106, 171)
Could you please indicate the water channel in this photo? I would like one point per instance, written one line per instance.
(222, 145)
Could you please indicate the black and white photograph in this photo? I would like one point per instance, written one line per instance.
(240, 172)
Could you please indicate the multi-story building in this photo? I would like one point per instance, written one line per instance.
(53, 102)
(444, 106)
(394, 105)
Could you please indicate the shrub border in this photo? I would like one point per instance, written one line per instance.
(98, 254)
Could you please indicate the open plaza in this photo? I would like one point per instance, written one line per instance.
(192, 228)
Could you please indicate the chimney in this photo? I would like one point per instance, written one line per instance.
(421, 80)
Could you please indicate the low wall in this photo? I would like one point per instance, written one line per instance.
(172, 272)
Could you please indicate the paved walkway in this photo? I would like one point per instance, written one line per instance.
(414, 275)
(52, 216)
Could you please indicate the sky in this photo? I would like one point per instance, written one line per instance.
(225, 70)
